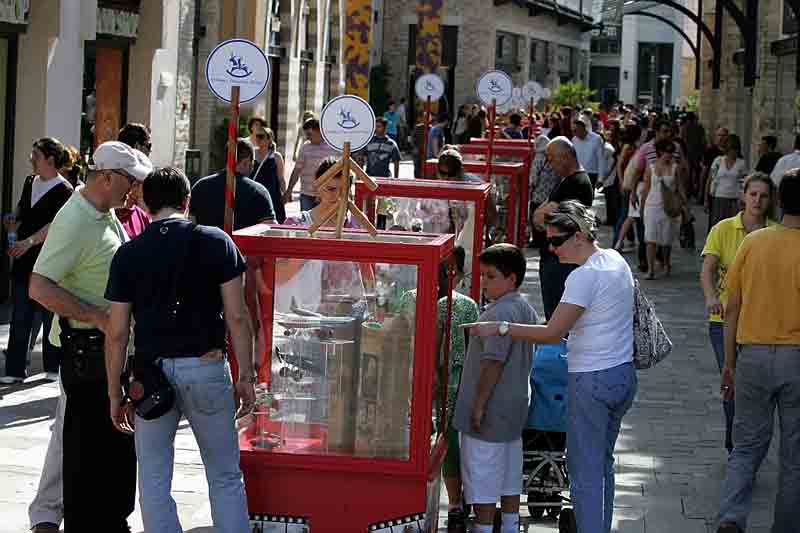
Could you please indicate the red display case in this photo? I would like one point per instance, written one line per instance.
(516, 197)
(345, 435)
(474, 193)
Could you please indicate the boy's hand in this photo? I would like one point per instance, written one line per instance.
(482, 329)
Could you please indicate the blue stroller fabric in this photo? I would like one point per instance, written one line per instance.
(548, 407)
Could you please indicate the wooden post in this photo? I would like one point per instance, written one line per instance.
(344, 191)
(423, 150)
(530, 122)
(230, 177)
(490, 147)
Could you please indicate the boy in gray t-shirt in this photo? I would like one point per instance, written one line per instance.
(492, 404)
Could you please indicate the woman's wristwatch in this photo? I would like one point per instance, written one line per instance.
(503, 328)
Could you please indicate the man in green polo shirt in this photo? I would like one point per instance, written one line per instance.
(69, 279)
(722, 243)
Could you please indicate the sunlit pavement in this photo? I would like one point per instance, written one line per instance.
(670, 457)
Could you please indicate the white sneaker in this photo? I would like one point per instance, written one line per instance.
(10, 380)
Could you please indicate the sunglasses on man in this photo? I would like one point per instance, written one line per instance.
(557, 241)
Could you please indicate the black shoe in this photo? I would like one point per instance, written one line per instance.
(728, 527)
(45, 527)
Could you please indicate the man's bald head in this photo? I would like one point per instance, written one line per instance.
(562, 156)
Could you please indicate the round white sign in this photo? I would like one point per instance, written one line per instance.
(237, 62)
(496, 85)
(532, 91)
(347, 118)
(429, 85)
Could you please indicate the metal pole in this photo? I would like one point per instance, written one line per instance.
(230, 176)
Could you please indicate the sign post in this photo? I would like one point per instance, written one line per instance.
(430, 88)
(237, 71)
(493, 88)
(347, 124)
(230, 172)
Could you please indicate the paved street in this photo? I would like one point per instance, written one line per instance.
(670, 458)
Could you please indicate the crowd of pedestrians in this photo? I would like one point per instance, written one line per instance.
(83, 264)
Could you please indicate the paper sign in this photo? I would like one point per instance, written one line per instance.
(237, 62)
(347, 118)
(429, 85)
(496, 85)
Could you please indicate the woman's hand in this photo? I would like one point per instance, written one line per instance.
(122, 415)
(483, 329)
(20, 248)
(727, 388)
(714, 307)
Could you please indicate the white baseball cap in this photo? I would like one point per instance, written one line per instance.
(115, 155)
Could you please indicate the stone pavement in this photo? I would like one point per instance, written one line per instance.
(670, 458)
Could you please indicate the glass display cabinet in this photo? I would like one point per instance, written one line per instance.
(510, 180)
(345, 435)
(407, 200)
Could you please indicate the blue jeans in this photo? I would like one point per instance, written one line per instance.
(19, 340)
(716, 333)
(767, 378)
(204, 395)
(596, 403)
(308, 202)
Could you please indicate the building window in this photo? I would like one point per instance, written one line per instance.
(303, 82)
(540, 51)
(564, 63)
(789, 25)
(507, 52)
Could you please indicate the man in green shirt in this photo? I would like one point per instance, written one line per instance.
(69, 279)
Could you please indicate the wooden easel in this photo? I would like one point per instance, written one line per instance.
(345, 204)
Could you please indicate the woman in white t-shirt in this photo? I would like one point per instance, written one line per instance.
(727, 179)
(596, 310)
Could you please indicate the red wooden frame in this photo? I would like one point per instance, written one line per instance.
(436, 189)
(347, 493)
(517, 196)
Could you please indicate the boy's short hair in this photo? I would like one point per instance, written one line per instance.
(382, 121)
(506, 258)
(789, 192)
(311, 124)
(166, 187)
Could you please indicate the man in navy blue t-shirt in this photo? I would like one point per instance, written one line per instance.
(176, 279)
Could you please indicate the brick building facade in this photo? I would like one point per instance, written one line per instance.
(543, 41)
(768, 108)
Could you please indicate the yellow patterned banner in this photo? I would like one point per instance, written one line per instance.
(357, 39)
(429, 40)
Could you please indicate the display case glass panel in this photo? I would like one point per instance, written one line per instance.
(341, 361)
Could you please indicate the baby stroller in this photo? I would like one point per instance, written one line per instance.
(544, 468)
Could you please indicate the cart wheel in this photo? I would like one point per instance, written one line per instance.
(566, 522)
(536, 512)
(553, 512)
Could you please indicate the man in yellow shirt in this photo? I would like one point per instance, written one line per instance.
(722, 243)
(762, 321)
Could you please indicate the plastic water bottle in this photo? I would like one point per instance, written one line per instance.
(12, 238)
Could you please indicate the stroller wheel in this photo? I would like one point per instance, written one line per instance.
(553, 512)
(566, 522)
(535, 511)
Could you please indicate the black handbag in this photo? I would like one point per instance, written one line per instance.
(146, 386)
(84, 355)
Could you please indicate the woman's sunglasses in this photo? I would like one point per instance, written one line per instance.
(558, 240)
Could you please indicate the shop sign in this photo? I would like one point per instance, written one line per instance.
(237, 62)
(347, 118)
(14, 11)
(117, 22)
(496, 86)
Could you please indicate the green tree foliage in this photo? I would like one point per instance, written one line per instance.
(573, 94)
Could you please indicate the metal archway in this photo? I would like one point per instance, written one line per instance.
(714, 38)
(682, 34)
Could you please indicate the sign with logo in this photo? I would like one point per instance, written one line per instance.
(429, 85)
(532, 91)
(496, 85)
(237, 62)
(347, 118)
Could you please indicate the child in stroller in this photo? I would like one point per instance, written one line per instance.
(544, 439)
